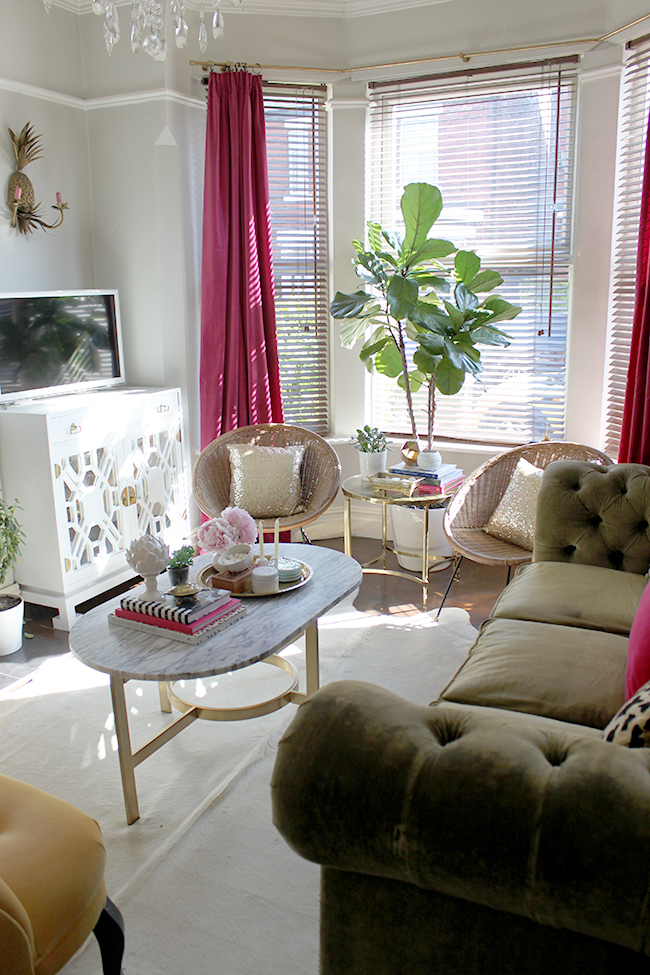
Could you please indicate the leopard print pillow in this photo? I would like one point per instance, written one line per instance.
(630, 726)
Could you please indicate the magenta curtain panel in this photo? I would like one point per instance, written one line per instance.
(635, 427)
(239, 370)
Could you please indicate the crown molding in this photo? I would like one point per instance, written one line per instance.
(109, 101)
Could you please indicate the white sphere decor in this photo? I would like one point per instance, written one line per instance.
(148, 556)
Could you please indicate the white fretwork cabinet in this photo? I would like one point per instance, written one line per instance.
(92, 472)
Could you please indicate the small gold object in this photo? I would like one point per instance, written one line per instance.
(410, 452)
(187, 590)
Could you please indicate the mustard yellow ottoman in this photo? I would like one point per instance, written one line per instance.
(52, 893)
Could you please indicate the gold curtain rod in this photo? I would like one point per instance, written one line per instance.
(206, 65)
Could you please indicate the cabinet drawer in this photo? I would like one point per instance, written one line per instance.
(160, 410)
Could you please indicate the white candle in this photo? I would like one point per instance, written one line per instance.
(261, 533)
(276, 540)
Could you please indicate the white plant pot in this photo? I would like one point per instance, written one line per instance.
(428, 460)
(12, 610)
(372, 463)
(408, 528)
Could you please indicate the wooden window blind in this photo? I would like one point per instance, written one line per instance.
(296, 152)
(500, 147)
(633, 113)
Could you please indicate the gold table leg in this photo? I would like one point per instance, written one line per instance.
(127, 765)
(347, 528)
(311, 658)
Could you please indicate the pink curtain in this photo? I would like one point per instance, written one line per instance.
(239, 371)
(635, 428)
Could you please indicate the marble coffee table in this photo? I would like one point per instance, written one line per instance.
(271, 623)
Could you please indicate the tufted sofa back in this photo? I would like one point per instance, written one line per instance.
(594, 515)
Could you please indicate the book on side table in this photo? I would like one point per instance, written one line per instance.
(195, 633)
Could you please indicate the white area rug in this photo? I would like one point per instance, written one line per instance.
(205, 883)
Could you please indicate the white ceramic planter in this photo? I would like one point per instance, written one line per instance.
(372, 463)
(407, 527)
(428, 460)
(12, 610)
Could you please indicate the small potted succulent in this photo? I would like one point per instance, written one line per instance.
(373, 450)
(178, 567)
(11, 607)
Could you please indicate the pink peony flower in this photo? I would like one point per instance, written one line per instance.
(241, 524)
(215, 535)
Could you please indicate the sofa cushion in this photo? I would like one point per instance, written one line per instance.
(594, 515)
(638, 654)
(564, 672)
(630, 726)
(573, 595)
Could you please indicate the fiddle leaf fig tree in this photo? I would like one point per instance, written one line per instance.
(421, 320)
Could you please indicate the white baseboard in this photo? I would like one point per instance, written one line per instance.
(366, 521)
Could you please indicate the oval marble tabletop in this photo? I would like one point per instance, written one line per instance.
(269, 625)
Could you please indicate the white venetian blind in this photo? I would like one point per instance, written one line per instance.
(296, 153)
(633, 112)
(500, 147)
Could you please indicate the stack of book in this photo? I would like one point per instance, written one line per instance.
(442, 480)
(212, 612)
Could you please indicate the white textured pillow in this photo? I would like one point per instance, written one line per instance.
(513, 520)
(265, 481)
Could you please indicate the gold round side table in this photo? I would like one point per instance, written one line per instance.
(360, 488)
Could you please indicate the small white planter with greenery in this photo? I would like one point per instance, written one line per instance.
(12, 607)
(373, 450)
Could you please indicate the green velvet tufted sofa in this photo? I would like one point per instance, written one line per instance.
(493, 831)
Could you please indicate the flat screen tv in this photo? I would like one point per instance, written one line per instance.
(59, 342)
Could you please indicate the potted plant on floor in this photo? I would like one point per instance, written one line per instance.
(178, 567)
(11, 607)
(373, 450)
(426, 316)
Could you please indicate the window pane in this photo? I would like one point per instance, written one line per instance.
(296, 153)
(501, 152)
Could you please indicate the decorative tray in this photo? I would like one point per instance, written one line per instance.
(394, 484)
(307, 573)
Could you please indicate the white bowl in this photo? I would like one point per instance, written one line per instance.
(234, 559)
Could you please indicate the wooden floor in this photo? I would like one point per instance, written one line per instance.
(475, 590)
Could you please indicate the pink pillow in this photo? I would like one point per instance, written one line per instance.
(638, 652)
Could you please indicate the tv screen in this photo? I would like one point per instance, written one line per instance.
(59, 342)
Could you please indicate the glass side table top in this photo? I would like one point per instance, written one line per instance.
(362, 489)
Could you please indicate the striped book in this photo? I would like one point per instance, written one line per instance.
(214, 614)
(204, 633)
(168, 609)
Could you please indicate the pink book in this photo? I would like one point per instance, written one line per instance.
(223, 608)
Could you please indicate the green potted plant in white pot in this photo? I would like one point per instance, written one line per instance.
(11, 607)
(422, 318)
(373, 450)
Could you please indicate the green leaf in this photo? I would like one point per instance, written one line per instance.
(431, 317)
(465, 299)
(393, 239)
(376, 273)
(432, 250)
(402, 295)
(453, 353)
(421, 205)
(389, 362)
(374, 235)
(426, 362)
(427, 280)
(375, 343)
(433, 343)
(449, 380)
(485, 281)
(349, 306)
(467, 266)
(457, 317)
(415, 381)
(358, 246)
(502, 310)
(487, 335)
(353, 329)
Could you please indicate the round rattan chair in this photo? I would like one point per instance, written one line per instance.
(469, 510)
(320, 473)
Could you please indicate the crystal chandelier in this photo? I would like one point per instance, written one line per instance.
(148, 24)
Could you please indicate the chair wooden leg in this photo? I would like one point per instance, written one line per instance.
(109, 932)
(457, 561)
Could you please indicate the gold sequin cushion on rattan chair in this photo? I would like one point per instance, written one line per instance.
(475, 501)
(310, 466)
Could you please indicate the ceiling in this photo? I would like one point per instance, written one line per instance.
(292, 8)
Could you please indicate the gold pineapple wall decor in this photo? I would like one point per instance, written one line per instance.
(20, 194)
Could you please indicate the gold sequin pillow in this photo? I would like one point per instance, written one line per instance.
(513, 520)
(265, 481)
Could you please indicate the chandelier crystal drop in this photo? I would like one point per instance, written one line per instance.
(148, 24)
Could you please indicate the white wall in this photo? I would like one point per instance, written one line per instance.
(123, 142)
